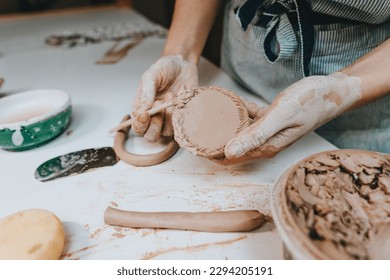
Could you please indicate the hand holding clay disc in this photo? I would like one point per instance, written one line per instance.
(297, 111)
(168, 76)
(204, 120)
(208, 120)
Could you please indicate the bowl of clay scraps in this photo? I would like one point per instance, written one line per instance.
(32, 118)
(335, 205)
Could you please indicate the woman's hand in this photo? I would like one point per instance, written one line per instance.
(177, 70)
(311, 102)
(298, 110)
(167, 77)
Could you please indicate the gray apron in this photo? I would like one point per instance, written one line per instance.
(336, 45)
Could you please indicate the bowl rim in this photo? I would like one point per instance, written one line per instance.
(298, 244)
(56, 110)
(289, 232)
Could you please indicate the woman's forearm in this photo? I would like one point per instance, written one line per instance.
(373, 69)
(191, 24)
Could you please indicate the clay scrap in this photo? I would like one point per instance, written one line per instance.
(84, 35)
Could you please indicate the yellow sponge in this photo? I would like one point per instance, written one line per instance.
(33, 234)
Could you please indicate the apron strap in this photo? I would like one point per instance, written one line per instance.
(246, 12)
(298, 17)
(306, 34)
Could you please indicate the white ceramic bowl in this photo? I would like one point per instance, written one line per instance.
(32, 118)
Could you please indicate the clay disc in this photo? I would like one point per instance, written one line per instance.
(211, 117)
(31, 235)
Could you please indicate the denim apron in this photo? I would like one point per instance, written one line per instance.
(275, 44)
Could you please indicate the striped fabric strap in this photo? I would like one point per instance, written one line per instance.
(247, 12)
(306, 34)
(299, 18)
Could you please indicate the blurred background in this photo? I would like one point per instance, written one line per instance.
(159, 11)
(18, 6)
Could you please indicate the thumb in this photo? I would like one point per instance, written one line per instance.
(252, 137)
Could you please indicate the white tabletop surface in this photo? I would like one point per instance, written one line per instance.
(101, 95)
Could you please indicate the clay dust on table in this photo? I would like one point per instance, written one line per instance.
(341, 201)
(199, 247)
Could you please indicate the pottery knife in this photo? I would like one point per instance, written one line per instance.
(76, 163)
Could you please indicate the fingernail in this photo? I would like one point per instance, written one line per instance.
(141, 123)
(234, 150)
(143, 118)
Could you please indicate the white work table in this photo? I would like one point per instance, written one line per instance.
(101, 95)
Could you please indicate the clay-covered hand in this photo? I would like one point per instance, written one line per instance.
(168, 76)
(255, 112)
(298, 110)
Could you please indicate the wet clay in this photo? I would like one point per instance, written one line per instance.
(141, 160)
(208, 120)
(340, 200)
(204, 120)
(224, 221)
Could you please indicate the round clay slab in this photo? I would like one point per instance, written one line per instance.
(33, 234)
(211, 117)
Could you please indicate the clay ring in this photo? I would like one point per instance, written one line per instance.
(141, 160)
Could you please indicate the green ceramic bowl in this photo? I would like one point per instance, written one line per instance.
(32, 118)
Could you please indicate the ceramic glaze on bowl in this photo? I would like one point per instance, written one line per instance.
(32, 118)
